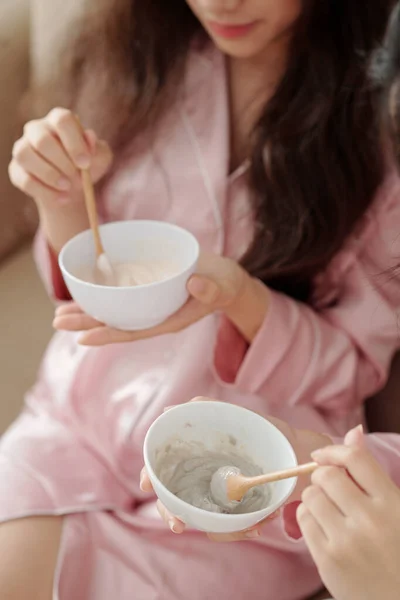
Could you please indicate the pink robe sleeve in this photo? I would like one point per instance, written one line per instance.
(336, 357)
(48, 268)
(385, 447)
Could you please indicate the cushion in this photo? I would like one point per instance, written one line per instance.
(17, 213)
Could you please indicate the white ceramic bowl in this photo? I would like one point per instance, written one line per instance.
(205, 422)
(132, 308)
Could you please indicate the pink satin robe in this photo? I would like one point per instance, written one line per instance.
(76, 450)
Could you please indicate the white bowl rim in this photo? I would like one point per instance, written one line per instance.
(128, 287)
(201, 511)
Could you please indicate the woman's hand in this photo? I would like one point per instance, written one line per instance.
(46, 159)
(220, 284)
(45, 165)
(303, 442)
(351, 523)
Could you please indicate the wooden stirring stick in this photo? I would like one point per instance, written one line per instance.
(238, 485)
(103, 264)
(90, 201)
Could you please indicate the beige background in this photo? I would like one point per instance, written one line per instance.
(17, 215)
(25, 312)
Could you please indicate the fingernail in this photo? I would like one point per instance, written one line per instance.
(141, 483)
(63, 184)
(198, 285)
(204, 290)
(173, 527)
(355, 436)
(253, 534)
(82, 161)
(317, 453)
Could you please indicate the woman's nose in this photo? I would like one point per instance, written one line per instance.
(219, 6)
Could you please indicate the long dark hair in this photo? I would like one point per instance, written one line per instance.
(386, 75)
(315, 156)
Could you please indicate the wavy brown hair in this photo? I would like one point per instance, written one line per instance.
(386, 74)
(315, 154)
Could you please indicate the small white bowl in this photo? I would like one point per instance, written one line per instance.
(205, 422)
(132, 308)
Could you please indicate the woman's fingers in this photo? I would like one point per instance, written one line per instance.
(48, 157)
(324, 511)
(91, 139)
(103, 336)
(313, 534)
(102, 159)
(359, 463)
(338, 486)
(76, 322)
(43, 141)
(37, 166)
(69, 317)
(68, 309)
(355, 437)
(31, 186)
(175, 525)
(145, 483)
(65, 125)
(100, 335)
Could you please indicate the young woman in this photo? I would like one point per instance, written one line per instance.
(351, 523)
(249, 123)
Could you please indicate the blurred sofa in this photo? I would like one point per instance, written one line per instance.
(25, 312)
(30, 35)
(17, 217)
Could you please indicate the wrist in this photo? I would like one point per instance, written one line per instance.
(250, 307)
(62, 222)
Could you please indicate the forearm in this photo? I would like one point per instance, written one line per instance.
(268, 341)
(63, 223)
(250, 308)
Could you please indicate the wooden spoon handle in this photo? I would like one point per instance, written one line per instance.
(90, 201)
(279, 475)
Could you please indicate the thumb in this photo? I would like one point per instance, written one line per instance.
(203, 289)
(355, 437)
(102, 159)
(91, 139)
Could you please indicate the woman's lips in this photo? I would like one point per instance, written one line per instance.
(230, 31)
